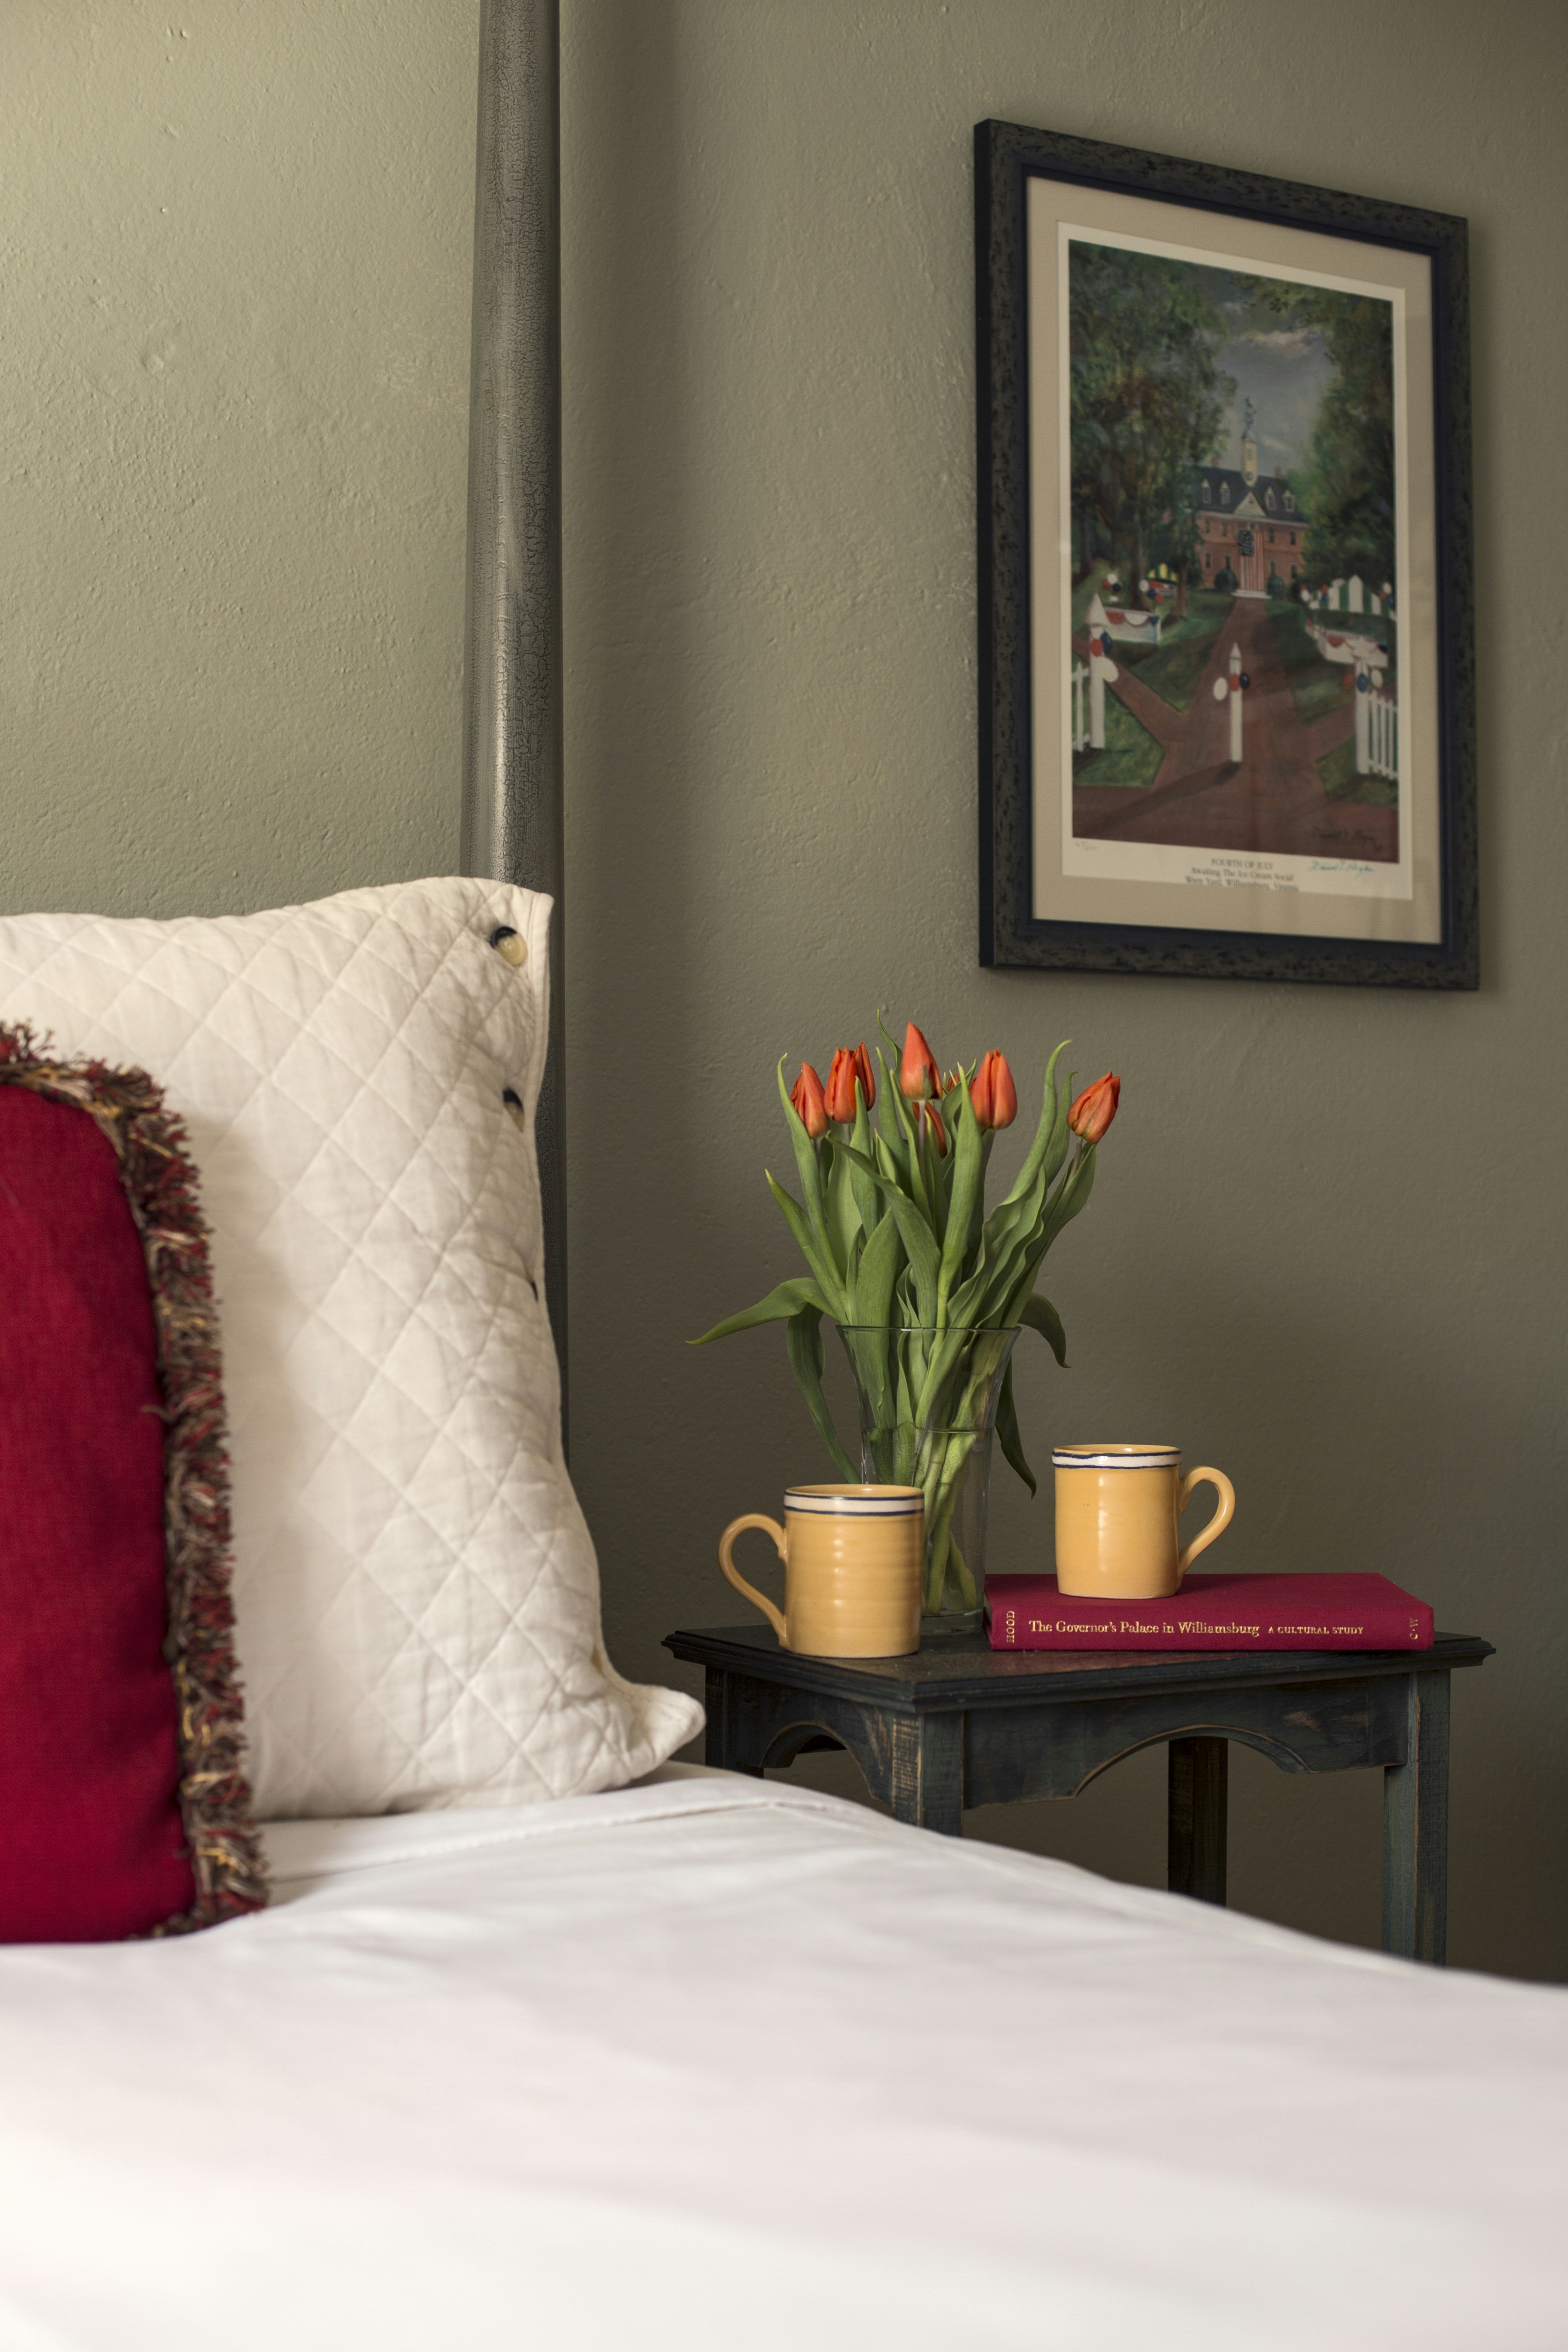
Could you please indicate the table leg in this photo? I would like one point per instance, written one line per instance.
(719, 1744)
(1415, 1829)
(1199, 1789)
(925, 1772)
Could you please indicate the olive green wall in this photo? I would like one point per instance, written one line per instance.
(1325, 1248)
(235, 258)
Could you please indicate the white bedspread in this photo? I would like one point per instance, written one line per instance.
(710, 2064)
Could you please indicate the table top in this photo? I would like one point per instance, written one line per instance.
(962, 1670)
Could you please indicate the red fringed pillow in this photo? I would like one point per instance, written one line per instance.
(124, 1810)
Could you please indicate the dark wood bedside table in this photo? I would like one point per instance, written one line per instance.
(960, 1724)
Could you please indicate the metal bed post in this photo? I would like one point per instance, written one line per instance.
(512, 810)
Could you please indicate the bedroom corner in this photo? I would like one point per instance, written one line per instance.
(1329, 1252)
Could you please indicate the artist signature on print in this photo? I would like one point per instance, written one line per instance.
(1340, 866)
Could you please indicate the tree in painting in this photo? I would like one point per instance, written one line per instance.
(1148, 400)
(1347, 484)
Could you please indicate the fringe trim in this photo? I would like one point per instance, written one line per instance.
(163, 1189)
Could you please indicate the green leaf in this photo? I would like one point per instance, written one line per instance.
(843, 1216)
(1011, 1232)
(925, 1261)
(998, 1267)
(878, 1270)
(1007, 1431)
(822, 1266)
(863, 1189)
(1054, 1107)
(803, 1337)
(889, 1186)
(873, 1351)
(805, 1159)
(977, 1219)
(971, 1305)
(904, 1402)
(892, 1095)
(1042, 1317)
(1061, 1140)
(922, 1192)
(968, 1167)
(1071, 1197)
(912, 1174)
(1004, 1238)
(938, 1168)
(936, 1401)
(983, 1299)
(787, 1299)
(1072, 1194)
(1017, 1238)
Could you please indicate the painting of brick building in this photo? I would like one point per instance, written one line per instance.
(1233, 590)
(1250, 526)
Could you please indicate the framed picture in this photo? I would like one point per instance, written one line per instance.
(1226, 702)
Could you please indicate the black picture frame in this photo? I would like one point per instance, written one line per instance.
(1008, 159)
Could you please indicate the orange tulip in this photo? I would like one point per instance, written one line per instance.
(839, 1093)
(918, 1080)
(810, 1103)
(863, 1072)
(842, 1080)
(951, 1081)
(994, 1095)
(849, 1070)
(927, 1120)
(1094, 1109)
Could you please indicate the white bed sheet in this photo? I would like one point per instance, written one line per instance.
(709, 2062)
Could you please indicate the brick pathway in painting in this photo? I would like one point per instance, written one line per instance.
(1274, 802)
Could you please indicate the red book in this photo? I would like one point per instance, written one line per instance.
(1212, 1613)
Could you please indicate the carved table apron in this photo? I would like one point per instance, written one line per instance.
(960, 1724)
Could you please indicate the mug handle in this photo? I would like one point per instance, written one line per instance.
(726, 1561)
(1217, 1526)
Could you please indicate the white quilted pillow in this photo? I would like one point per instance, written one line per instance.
(416, 1588)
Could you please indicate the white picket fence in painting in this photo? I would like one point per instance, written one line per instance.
(1376, 734)
(1383, 736)
(1080, 707)
(1349, 595)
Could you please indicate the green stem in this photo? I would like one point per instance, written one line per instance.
(968, 1592)
(946, 1467)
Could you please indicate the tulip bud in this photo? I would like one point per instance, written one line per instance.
(951, 1082)
(994, 1095)
(863, 1072)
(809, 1102)
(839, 1092)
(918, 1080)
(927, 1120)
(1094, 1109)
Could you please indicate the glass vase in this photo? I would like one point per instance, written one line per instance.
(928, 1403)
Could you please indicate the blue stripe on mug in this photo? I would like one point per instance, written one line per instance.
(1115, 1457)
(888, 1502)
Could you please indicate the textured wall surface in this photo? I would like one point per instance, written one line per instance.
(1326, 1245)
(235, 248)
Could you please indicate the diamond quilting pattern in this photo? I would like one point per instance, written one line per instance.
(415, 1587)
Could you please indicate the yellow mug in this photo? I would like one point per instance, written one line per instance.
(852, 1559)
(1117, 1507)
